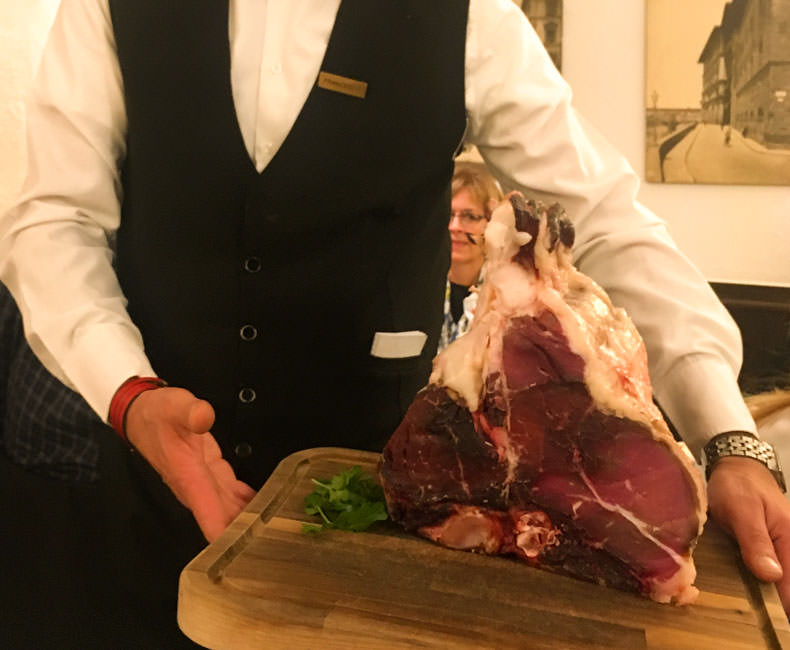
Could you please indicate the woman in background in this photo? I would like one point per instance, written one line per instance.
(475, 195)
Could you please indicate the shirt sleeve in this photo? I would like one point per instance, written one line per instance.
(523, 123)
(55, 251)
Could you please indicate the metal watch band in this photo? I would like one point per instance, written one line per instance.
(743, 444)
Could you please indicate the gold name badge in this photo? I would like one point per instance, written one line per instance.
(338, 84)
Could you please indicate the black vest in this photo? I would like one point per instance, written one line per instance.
(262, 292)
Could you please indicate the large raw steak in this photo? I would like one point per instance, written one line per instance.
(537, 435)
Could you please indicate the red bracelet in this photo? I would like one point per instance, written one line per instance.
(125, 395)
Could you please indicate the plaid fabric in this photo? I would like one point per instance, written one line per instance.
(44, 426)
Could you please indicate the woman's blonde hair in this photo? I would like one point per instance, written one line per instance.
(483, 187)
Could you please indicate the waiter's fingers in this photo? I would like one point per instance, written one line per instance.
(757, 549)
(744, 498)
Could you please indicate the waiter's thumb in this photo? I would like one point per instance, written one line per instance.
(201, 416)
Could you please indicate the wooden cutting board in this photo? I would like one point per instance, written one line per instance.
(265, 584)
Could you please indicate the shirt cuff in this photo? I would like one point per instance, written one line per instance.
(702, 399)
(101, 361)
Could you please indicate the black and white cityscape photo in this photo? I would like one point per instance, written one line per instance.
(718, 92)
(546, 18)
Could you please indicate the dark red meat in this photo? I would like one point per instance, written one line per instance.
(537, 435)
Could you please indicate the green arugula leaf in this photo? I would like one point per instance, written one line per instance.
(350, 500)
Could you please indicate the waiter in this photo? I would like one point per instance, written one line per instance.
(248, 200)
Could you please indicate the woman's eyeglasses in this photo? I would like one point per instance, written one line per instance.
(467, 217)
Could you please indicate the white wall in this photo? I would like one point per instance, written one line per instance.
(733, 233)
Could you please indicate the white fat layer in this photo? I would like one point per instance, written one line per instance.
(464, 365)
(462, 372)
(517, 290)
(467, 528)
(613, 352)
(679, 588)
(502, 240)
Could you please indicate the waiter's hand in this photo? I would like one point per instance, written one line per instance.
(169, 427)
(745, 499)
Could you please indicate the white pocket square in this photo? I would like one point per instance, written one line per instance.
(398, 345)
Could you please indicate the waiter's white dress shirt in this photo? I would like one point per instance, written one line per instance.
(54, 253)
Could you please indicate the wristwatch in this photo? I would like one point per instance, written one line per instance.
(746, 445)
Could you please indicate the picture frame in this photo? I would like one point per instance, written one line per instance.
(717, 87)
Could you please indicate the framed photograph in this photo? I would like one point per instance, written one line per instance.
(546, 18)
(717, 90)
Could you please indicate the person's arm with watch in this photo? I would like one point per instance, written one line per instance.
(746, 496)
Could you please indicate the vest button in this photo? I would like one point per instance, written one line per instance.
(252, 264)
(248, 333)
(247, 395)
(243, 450)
